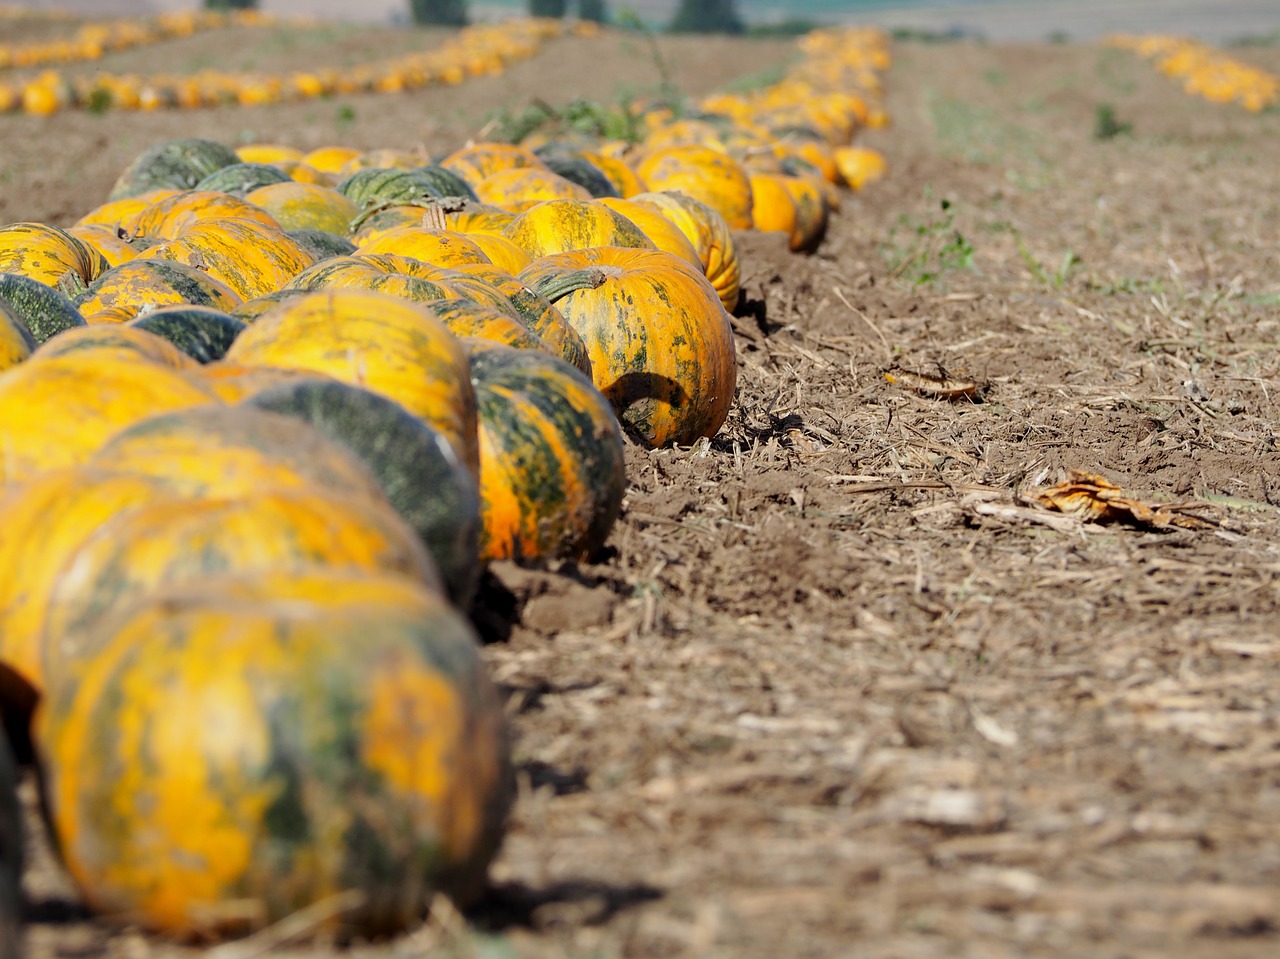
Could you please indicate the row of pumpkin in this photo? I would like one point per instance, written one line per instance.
(480, 50)
(92, 41)
(264, 416)
(1204, 71)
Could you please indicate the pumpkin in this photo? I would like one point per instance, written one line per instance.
(239, 179)
(250, 257)
(415, 465)
(115, 212)
(110, 339)
(174, 164)
(201, 332)
(299, 737)
(669, 369)
(268, 153)
(124, 291)
(538, 314)
(329, 159)
(165, 542)
(479, 218)
(501, 252)
(46, 254)
(305, 206)
(710, 237)
(305, 173)
(58, 411)
(476, 162)
(385, 344)
(16, 341)
(552, 471)
(714, 178)
(321, 244)
(555, 226)
(662, 233)
(171, 217)
(443, 248)
(46, 520)
(378, 220)
(234, 382)
(523, 187)
(626, 182)
(859, 166)
(467, 318)
(105, 240)
(250, 310)
(42, 309)
(373, 187)
(581, 171)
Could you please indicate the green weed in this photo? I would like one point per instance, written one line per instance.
(1105, 124)
(929, 247)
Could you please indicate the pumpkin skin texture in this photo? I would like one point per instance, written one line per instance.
(175, 165)
(466, 318)
(239, 179)
(479, 218)
(442, 248)
(305, 206)
(715, 178)
(105, 240)
(41, 308)
(162, 544)
(46, 254)
(415, 465)
(560, 225)
(58, 411)
(226, 451)
(859, 166)
(662, 233)
(474, 163)
(171, 217)
(269, 153)
(46, 520)
(16, 342)
(121, 342)
(300, 736)
(710, 237)
(235, 382)
(201, 332)
(379, 342)
(538, 315)
(321, 244)
(581, 171)
(624, 179)
(501, 252)
(552, 471)
(124, 291)
(115, 212)
(521, 188)
(249, 257)
(660, 343)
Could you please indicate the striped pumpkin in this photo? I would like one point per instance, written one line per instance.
(670, 368)
(552, 473)
(299, 737)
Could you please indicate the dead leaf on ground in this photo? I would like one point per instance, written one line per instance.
(1093, 498)
(943, 386)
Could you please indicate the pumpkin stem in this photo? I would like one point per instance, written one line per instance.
(71, 284)
(590, 278)
(446, 204)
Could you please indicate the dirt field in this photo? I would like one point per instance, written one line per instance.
(836, 688)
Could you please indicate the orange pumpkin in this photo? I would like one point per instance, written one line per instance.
(714, 178)
(555, 226)
(669, 368)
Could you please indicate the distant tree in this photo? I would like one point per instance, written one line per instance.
(707, 16)
(439, 13)
(231, 4)
(595, 10)
(548, 8)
